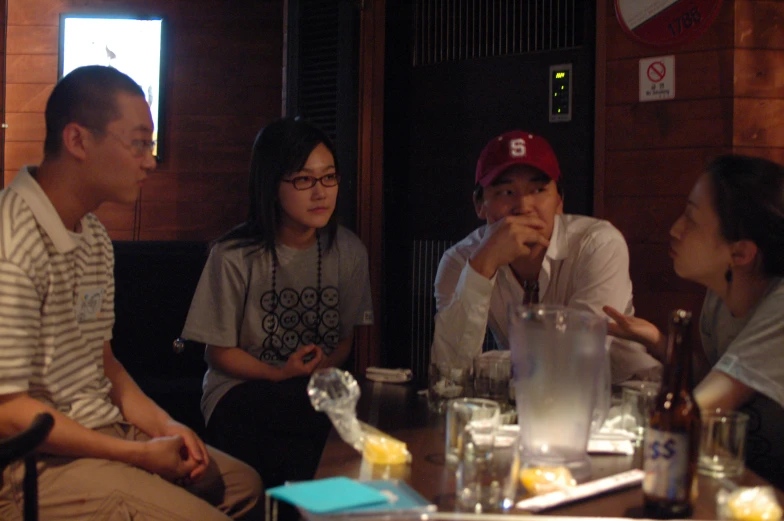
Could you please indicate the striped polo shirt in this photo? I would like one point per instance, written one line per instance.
(56, 305)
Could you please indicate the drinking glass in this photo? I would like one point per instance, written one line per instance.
(463, 413)
(446, 383)
(723, 443)
(492, 372)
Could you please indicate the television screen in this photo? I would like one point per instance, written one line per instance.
(130, 44)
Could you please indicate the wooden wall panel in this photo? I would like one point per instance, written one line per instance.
(184, 221)
(670, 124)
(644, 219)
(196, 187)
(27, 97)
(117, 217)
(773, 154)
(652, 270)
(759, 23)
(21, 153)
(25, 126)
(669, 172)
(224, 83)
(759, 122)
(759, 73)
(32, 40)
(30, 68)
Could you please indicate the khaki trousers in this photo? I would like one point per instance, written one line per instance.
(103, 490)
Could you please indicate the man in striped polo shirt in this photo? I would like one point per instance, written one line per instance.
(113, 453)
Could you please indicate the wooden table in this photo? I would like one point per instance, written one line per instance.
(401, 412)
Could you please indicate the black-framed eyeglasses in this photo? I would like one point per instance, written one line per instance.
(137, 147)
(305, 182)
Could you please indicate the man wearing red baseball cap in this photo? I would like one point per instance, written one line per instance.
(529, 252)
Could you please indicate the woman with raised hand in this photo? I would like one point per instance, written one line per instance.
(279, 297)
(730, 239)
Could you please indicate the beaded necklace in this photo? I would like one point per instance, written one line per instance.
(318, 279)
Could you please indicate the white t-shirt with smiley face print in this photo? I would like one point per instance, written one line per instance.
(241, 301)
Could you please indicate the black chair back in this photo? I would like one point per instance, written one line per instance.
(22, 446)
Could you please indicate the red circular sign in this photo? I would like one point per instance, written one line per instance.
(665, 23)
(656, 72)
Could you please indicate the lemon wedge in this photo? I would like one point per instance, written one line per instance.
(385, 450)
(754, 504)
(540, 480)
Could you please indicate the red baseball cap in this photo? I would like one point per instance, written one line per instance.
(516, 148)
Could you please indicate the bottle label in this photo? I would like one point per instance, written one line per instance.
(666, 464)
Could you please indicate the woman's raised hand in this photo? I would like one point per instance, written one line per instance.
(303, 361)
(637, 329)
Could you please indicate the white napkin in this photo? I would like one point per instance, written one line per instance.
(612, 438)
(380, 374)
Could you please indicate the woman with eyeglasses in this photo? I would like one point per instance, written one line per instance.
(279, 297)
(730, 239)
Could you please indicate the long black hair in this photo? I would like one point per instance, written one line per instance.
(748, 193)
(280, 149)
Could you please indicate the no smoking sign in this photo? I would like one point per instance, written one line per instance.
(657, 78)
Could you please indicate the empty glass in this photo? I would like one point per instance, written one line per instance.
(723, 443)
(446, 383)
(492, 372)
(559, 358)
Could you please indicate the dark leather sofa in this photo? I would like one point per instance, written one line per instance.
(155, 281)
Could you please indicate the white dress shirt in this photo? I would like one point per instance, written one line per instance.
(585, 267)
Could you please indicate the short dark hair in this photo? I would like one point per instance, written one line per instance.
(748, 193)
(281, 148)
(87, 96)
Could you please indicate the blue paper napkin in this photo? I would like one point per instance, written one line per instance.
(328, 495)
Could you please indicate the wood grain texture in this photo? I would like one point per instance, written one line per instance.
(31, 68)
(25, 127)
(759, 73)
(39, 39)
(670, 124)
(656, 172)
(773, 154)
(651, 269)
(21, 153)
(644, 219)
(116, 217)
(28, 97)
(758, 24)
(203, 220)
(196, 187)
(758, 122)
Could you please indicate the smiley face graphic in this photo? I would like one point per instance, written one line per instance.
(290, 339)
(330, 318)
(269, 323)
(309, 297)
(288, 298)
(329, 296)
(289, 319)
(310, 319)
(269, 301)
